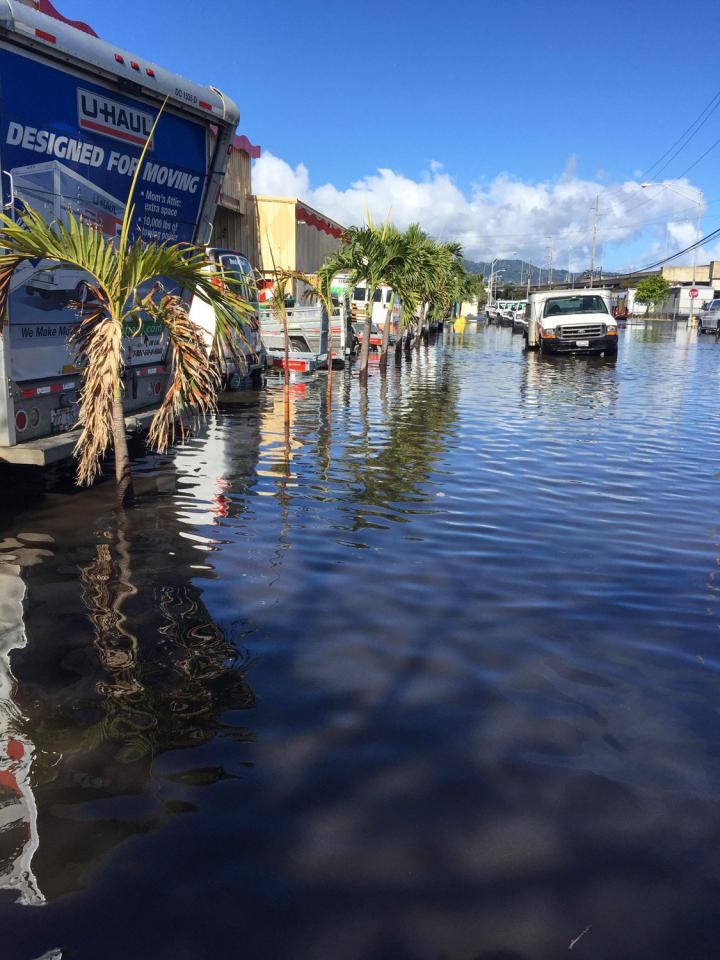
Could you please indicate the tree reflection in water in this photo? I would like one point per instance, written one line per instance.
(418, 421)
(155, 673)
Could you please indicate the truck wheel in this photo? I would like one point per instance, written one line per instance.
(45, 294)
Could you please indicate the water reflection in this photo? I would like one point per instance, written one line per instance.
(143, 670)
(476, 602)
(18, 810)
(569, 387)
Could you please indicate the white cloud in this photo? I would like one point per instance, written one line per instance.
(506, 216)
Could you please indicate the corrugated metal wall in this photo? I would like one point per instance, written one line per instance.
(275, 217)
(312, 247)
(237, 184)
(236, 231)
(235, 224)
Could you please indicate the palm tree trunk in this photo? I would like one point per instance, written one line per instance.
(123, 473)
(386, 333)
(330, 351)
(286, 368)
(365, 349)
(420, 327)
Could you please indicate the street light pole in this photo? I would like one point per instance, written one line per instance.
(594, 239)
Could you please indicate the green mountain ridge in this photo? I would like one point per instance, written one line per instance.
(516, 271)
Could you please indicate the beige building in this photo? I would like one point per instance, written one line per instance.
(292, 235)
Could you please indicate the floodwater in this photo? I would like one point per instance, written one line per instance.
(436, 677)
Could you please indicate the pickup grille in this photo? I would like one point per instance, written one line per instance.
(580, 331)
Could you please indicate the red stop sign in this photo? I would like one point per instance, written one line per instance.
(693, 293)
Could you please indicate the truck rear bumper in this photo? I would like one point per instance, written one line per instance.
(46, 450)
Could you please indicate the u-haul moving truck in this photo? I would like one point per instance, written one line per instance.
(75, 113)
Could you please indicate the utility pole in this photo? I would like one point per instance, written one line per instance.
(551, 258)
(691, 319)
(594, 238)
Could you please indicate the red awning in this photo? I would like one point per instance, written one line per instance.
(46, 6)
(241, 142)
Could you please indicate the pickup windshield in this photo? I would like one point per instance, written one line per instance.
(238, 269)
(560, 306)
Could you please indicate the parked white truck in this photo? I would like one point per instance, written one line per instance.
(571, 321)
(244, 356)
(76, 113)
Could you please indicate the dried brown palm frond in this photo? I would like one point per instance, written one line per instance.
(98, 339)
(195, 376)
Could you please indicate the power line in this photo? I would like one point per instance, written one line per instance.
(658, 263)
(711, 107)
(701, 157)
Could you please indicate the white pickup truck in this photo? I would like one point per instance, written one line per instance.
(571, 321)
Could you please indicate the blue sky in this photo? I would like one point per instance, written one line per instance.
(521, 90)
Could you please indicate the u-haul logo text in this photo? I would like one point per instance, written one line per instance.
(113, 119)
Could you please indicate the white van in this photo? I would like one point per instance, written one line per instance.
(244, 358)
(572, 321)
(382, 298)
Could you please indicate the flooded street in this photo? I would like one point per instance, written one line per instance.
(438, 678)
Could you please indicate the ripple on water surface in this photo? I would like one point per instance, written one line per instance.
(433, 673)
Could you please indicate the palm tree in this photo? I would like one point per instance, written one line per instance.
(403, 276)
(450, 279)
(125, 292)
(369, 254)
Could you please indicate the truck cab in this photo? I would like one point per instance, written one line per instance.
(572, 321)
(244, 358)
(709, 318)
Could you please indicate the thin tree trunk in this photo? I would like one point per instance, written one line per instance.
(286, 365)
(330, 352)
(420, 327)
(365, 348)
(386, 333)
(123, 473)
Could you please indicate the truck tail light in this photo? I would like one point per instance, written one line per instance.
(21, 421)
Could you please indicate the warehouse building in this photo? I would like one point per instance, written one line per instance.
(293, 235)
(235, 222)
